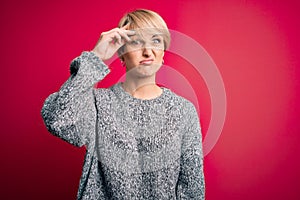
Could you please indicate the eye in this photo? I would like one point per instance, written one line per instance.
(156, 40)
(136, 42)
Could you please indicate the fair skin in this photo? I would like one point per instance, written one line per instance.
(143, 56)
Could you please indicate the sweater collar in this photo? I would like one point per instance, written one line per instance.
(126, 97)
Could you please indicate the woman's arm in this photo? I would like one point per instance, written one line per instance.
(70, 113)
(191, 183)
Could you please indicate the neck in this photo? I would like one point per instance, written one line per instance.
(143, 88)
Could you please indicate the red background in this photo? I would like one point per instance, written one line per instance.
(255, 45)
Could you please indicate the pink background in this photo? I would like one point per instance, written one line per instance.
(255, 45)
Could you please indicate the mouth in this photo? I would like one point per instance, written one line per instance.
(146, 61)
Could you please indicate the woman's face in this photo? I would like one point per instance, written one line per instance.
(144, 53)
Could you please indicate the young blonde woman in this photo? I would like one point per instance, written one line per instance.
(143, 141)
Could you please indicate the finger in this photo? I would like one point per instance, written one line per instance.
(124, 36)
(117, 38)
(126, 27)
(116, 35)
(127, 30)
(130, 32)
(110, 33)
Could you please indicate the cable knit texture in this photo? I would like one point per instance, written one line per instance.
(136, 149)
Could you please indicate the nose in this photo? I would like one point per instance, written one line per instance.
(147, 51)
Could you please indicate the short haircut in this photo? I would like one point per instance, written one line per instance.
(144, 19)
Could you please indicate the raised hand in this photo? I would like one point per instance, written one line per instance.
(111, 41)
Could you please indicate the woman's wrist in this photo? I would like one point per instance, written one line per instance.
(97, 54)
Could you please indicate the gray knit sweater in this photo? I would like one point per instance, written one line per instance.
(136, 149)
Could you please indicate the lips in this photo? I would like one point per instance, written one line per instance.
(146, 61)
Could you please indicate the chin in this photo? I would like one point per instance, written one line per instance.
(144, 71)
(149, 70)
(145, 74)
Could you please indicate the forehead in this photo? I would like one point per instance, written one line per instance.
(147, 32)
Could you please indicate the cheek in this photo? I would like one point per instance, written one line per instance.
(131, 57)
(160, 55)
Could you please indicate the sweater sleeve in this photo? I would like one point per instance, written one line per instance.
(191, 183)
(70, 113)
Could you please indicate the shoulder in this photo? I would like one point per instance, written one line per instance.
(185, 107)
(103, 94)
(184, 104)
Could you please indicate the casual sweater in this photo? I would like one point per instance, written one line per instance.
(135, 149)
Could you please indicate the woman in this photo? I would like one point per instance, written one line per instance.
(143, 141)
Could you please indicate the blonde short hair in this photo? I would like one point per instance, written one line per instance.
(144, 19)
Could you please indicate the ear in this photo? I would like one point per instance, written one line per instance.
(163, 54)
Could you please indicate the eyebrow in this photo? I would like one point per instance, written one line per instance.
(156, 35)
(153, 36)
